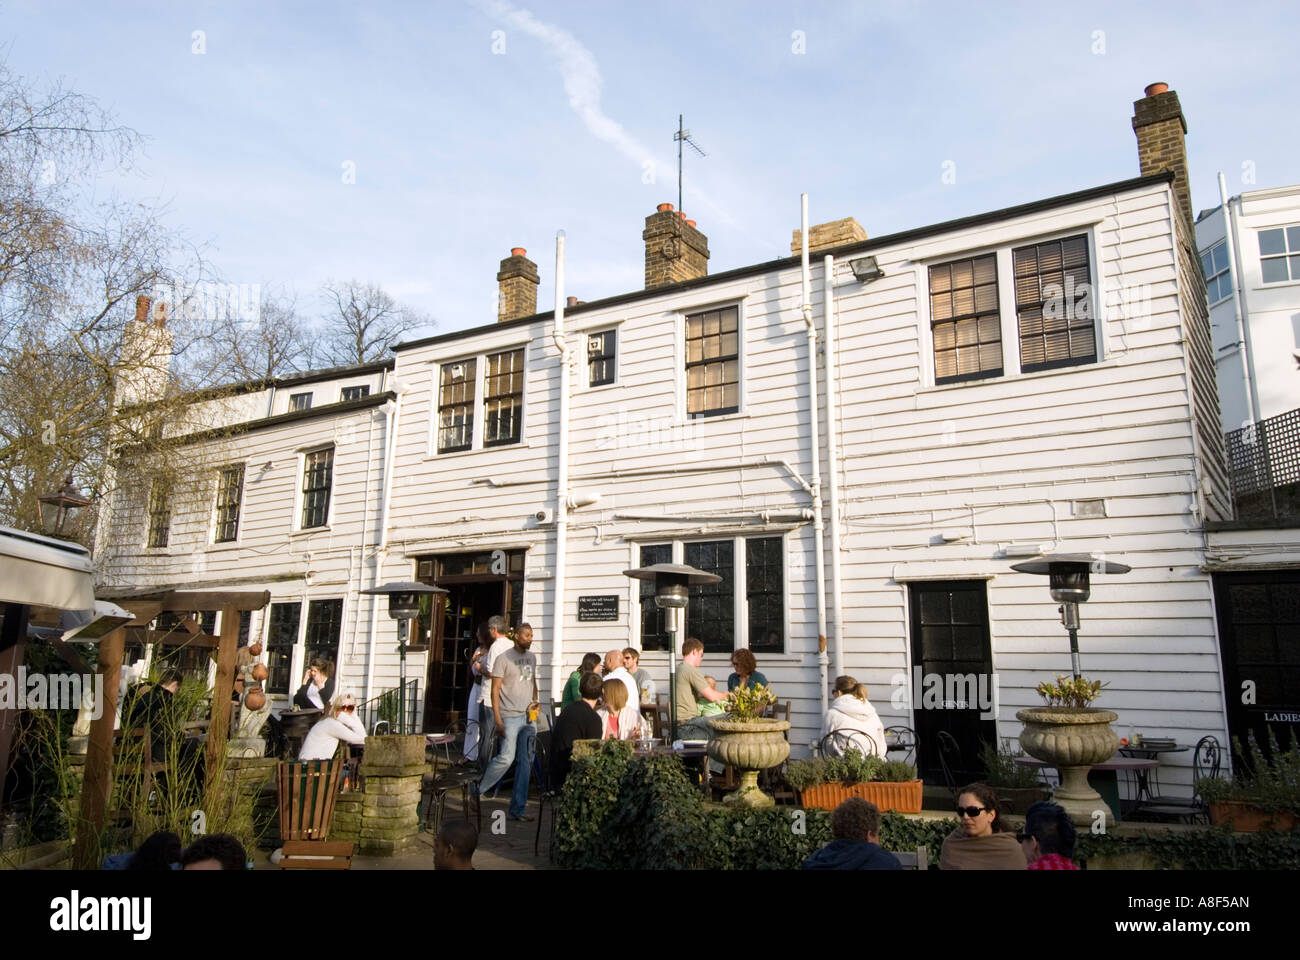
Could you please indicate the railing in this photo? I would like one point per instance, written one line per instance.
(1264, 461)
(385, 710)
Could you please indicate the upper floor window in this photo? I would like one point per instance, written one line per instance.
(600, 358)
(713, 362)
(1279, 254)
(160, 514)
(456, 406)
(1214, 264)
(317, 476)
(299, 401)
(503, 398)
(964, 319)
(230, 492)
(1053, 305)
(358, 392)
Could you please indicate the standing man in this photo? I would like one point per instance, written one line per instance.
(691, 687)
(514, 715)
(498, 643)
(644, 684)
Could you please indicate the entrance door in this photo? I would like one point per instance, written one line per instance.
(1259, 641)
(950, 645)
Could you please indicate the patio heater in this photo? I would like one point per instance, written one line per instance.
(1068, 573)
(403, 606)
(56, 508)
(673, 582)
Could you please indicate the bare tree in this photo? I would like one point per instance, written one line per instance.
(365, 322)
(274, 343)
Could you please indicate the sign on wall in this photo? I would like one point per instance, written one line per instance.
(597, 608)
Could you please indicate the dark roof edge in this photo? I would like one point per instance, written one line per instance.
(905, 236)
(304, 377)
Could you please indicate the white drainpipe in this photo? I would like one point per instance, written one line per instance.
(392, 414)
(1243, 341)
(833, 458)
(562, 480)
(815, 444)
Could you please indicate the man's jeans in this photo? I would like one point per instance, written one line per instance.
(518, 742)
(486, 734)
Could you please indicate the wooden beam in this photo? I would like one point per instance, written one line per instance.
(98, 784)
(216, 600)
(222, 687)
(12, 642)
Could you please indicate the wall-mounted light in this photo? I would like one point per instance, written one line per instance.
(865, 269)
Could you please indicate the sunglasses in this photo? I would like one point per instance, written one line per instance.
(349, 707)
(970, 811)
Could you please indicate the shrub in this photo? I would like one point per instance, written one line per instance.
(1269, 782)
(853, 767)
(1001, 769)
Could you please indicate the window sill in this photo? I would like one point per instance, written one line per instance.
(309, 531)
(720, 418)
(522, 442)
(1016, 377)
(229, 545)
(1275, 285)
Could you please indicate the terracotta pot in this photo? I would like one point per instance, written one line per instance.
(905, 797)
(1248, 818)
(749, 747)
(1071, 739)
(255, 700)
(260, 672)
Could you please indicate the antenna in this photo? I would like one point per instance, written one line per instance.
(683, 136)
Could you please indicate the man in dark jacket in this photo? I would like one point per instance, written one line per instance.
(577, 721)
(855, 825)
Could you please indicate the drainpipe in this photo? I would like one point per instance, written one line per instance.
(1234, 275)
(562, 480)
(392, 414)
(815, 443)
(833, 457)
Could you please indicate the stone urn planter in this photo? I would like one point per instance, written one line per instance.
(1072, 739)
(749, 746)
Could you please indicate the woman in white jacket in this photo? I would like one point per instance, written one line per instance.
(323, 738)
(851, 712)
(620, 716)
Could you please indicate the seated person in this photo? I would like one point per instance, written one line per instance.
(855, 825)
(317, 686)
(216, 851)
(1048, 837)
(160, 851)
(453, 847)
(577, 721)
(155, 708)
(691, 688)
(322, 740)
(983, 841)
(620, 717)
(746, 671)
(709, 708)
(590, 662)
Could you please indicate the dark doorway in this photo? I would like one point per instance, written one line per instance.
(1259, 642)
(480, 585)
(950, 645)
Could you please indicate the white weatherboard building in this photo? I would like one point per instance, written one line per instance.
(1039, 378)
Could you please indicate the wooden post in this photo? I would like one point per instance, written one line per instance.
(12, 637)
(219, 728)
(98, 784)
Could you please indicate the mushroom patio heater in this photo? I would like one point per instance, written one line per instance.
(1069, 574)
(673, 582)
(56, 508)
(403, 606)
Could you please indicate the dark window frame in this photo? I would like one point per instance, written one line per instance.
(159, 516)
(317, 486)
(230, 498)
(765, 564)
(503, 397)
(357, 391)
(323, 631)
(281, 638)
(652, 615)
(953, 315)
(456, 405)
(602, 364)
(1041, 279)
(707, 615)
(708, 361)
(299, 401)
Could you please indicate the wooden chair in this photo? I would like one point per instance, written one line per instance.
(307, 793)
(918, 860)
(135, 758)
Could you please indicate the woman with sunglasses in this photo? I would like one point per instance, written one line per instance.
(322, 740)
(983, 841)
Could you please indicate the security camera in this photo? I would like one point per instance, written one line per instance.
(545, 515)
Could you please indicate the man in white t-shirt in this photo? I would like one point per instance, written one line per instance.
(614, 670)
(486, 724)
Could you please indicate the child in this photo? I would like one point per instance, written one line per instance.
(708, 708)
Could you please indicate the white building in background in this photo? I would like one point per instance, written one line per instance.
(1038, 378)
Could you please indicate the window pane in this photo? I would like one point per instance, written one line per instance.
(317, 476)
(230, 489)
(1053, 311)
(324, 621)
(1220, 252)
(281, 635)
(1295, 267)
(654, 633)
(1274, 269)
(710, 611)
(964, 320)
(764, 579)
(1271, 241)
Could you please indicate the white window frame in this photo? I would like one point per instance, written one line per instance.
(1209, 251)
(216, 506)
(1009, 326)
(298, 492)
(679, 341)
(1285, 256)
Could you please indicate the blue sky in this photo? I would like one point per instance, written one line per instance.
(478, 126)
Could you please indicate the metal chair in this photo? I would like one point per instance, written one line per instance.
(901, 737)
(547, 795)
(437, 786)
(949, 761)
(1206, 760)
(839, 742)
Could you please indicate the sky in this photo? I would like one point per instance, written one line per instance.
(412, 145)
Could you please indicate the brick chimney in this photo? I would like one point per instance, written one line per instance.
(518, 279)
(674, 249)
(824, 236)
(1161, 132)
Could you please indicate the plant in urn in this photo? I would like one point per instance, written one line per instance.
(749, 742)
(1070, 735)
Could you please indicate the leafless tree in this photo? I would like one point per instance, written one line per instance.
(365, 322)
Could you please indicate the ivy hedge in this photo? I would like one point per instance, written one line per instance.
(623, 813)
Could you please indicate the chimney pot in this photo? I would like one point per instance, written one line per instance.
(1155, 88)
(664, 207)
(142, 304)
(572, 302)
(690, 223)
(518, 252)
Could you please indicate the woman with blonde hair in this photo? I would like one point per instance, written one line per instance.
(620, 719)
(853, 713)
(341, 723)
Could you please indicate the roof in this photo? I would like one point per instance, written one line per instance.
(45, 572)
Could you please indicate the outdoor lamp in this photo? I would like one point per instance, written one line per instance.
(673, 582)
(866, 269)
(1068, 579)
(57, 507)
(403, 606)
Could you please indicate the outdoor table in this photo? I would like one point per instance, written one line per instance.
(693, 751)
(1108, 787)
(1145, 751)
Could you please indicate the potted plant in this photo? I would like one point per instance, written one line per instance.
(1071, 735)
(1265, 796)
(1017, 786)
(744, 739)
(825, 783)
